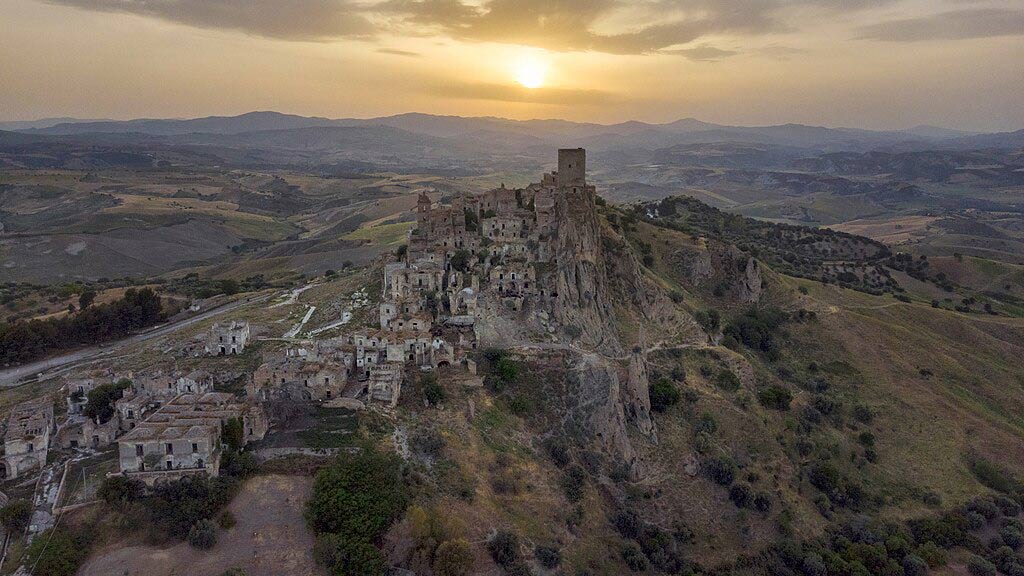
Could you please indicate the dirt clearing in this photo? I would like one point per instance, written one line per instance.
(271, 538)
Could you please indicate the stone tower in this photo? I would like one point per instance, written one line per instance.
(423, 212)
(572, 167)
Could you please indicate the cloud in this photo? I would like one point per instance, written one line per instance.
(396, 52)
(703, 53)
(572, 25)
(608, 26)
(780, 52)
(519, 94)
(315, 20)
(956, 25)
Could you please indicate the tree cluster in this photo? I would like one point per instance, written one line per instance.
(25, 341)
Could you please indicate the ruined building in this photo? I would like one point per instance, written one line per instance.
(27, 437)
(224, 339)
(184, 437)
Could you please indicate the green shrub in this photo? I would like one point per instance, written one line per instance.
(756, 329)
(775, 397)
(978, 566)
(721, 470)
(709, 319)
(16, 515)
(504, 548)
(993, 476)
(934, 556)
(227, 520)
(203, 535)
(120, 491)
(914, 565)
(663, 394)
(432, 389)
(741, 495)
(346, 556)
(100, 404)
(727, 381)
(573, 481)
(58, 552)
(233, 434)
(548, 556)
(634, 557)
(453, 558)
(627, 523)
(359, 495)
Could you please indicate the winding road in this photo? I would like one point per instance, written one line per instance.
(49, 367)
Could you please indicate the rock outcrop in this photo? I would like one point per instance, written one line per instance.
(636, 397)
(720, 267)
(598, 412)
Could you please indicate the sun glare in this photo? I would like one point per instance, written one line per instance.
(530, 72)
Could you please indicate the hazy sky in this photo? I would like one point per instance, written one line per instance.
(862, 63)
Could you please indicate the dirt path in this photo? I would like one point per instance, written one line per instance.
(270, 539)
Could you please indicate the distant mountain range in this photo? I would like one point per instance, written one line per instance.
(559, 132)
(454, 144)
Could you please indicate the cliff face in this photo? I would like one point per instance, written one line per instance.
(583, 305)
(597, 272)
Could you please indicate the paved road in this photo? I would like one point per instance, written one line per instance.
(51, 366)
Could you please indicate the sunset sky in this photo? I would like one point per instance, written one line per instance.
(863, 63)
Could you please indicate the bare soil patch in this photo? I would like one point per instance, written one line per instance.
(270, 538)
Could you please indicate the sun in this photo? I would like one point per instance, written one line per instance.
(530, 72)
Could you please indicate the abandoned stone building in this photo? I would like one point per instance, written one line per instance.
(162, 384)
(78, 393)
(225, 339)
(132, 408)
(82, 432)
(312, 370)
(184, 437)
(384, 383)
(27, 437)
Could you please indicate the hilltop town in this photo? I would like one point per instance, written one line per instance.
(526, 380)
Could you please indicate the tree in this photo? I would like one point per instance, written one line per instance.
(101, 399)
(460, 260)
(120, 491)
(86, 298)
(203, 534)
(355, 500)
(348, 557)
(453, 558)
(233, 434)
(16, 515)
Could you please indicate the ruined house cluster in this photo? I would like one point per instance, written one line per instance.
(490, 248)
(166, 424)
